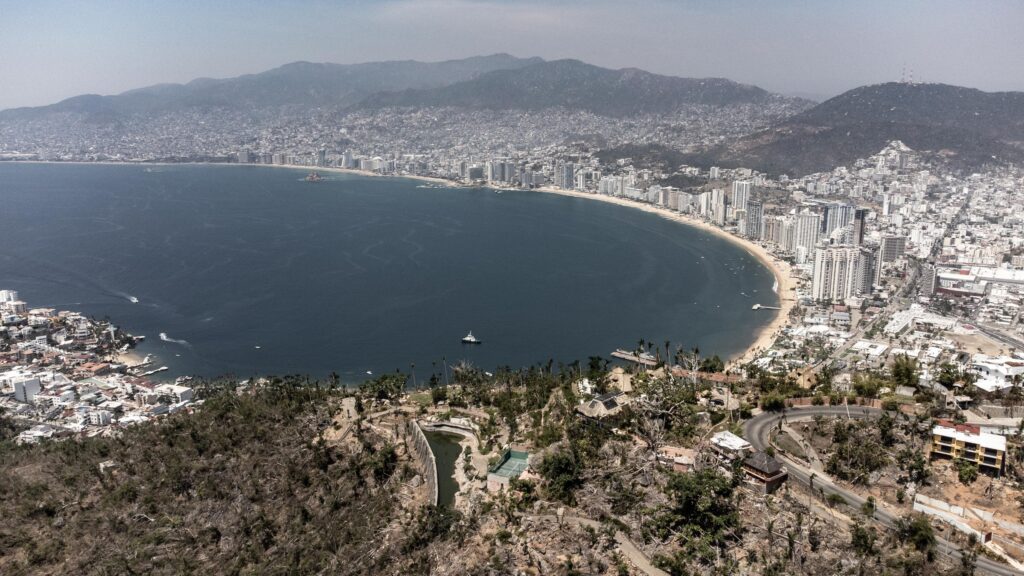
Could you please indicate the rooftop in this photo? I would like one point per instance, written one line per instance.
(730, 441)
(764, 463)
(971, 434)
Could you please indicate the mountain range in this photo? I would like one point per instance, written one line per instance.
(579, 86)
(967, 126)
(499, 81)
(297, 85)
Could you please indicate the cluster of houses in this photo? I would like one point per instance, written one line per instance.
(58, 370)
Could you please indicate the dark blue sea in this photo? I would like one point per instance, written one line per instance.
(250, 270)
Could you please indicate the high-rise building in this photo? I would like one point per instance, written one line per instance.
(495, 170)
(581, 180)
(805, 234)
(741, 222)
(891, 248)
(866, 271)
(928, 277)
(860, 216)
(836, 216)
(526, 178)
(740, 195)
(778, 230)
(754, 217)
(565, 173)
(25, 389)
(717, 206)
(687, 202)
(838, 273)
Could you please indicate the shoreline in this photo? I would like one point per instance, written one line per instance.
(781, 270)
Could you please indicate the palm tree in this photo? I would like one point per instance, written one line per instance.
(1013, 396)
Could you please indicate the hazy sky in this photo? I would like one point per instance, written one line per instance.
(51, 50)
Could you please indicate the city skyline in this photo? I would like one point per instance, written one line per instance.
(798, 48)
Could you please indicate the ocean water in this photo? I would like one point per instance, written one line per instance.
(248, 270)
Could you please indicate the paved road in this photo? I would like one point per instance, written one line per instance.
(1000, 336)
(757, 429)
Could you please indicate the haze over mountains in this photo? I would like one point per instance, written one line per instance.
(577, 85)
(499, 81)
(968, 126)
(296, 85)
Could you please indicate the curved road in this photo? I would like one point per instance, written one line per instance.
(757, 429)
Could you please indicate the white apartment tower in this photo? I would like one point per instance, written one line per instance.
(841, 272)
(717, 207)
(805, 235)
(740, 195)
(837, 216)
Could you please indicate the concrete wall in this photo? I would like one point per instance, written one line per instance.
(420, 448)
(868, 402)
(999, 411)
(946, 513)
(449, 427)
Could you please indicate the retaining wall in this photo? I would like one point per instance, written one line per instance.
(867, 402)
(424, 457)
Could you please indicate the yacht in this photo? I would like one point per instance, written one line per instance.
(470, 339)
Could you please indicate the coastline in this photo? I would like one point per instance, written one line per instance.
(781, 270)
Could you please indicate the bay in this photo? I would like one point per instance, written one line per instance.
(250, 270)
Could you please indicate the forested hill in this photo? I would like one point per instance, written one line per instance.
(967, 126)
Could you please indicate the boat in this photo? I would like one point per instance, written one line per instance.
(470, 339)
(314, 177)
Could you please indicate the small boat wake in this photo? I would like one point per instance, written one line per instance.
(166, 338)
(128, 297)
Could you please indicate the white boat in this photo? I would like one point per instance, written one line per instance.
(470, 339)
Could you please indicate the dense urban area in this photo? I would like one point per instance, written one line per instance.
(874, 428)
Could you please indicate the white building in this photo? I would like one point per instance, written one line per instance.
(837, 273)
(100, 418)
(730, 446)
(182, 393)
(740, 195)
(806, 229)
(25, 389)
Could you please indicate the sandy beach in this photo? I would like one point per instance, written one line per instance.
(780, 269)
(129, 358)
